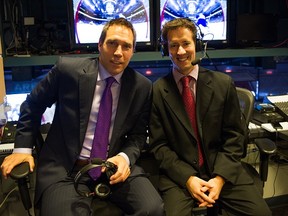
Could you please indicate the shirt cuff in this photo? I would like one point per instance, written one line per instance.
(22, 150)
(125, 157)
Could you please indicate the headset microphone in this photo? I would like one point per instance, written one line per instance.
(196, 61)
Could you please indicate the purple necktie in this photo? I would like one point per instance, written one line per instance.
(101, 135)
(189, 103)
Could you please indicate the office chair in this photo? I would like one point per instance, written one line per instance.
(265, 146)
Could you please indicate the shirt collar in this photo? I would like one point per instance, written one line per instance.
(104, 74)
(194, 73)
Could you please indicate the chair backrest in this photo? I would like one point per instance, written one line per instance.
(246, 101)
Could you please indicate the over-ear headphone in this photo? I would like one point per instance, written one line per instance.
(102, 189)
(199, 41)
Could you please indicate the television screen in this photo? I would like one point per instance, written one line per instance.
(14, 102)
(209, 15)
(89, 16)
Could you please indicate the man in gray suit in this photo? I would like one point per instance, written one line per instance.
(185, 180)
(76, 86)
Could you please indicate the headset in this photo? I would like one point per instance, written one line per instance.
(199, 44)
(102, 189)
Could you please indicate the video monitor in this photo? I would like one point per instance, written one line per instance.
(87, 18)
(14, 102)
(209, 15)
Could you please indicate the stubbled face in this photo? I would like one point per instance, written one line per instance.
(117, 49)
(181, 49)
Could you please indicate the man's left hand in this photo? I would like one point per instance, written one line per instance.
(123, 170)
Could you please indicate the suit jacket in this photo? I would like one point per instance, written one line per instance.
(71, 85)
(172, 139)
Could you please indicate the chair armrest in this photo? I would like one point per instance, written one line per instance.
(266, 148)
(20, 171)
(265, 145)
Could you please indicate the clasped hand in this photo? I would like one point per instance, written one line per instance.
(206, 192)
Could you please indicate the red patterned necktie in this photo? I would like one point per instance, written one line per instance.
(101, 135)
(190, 107)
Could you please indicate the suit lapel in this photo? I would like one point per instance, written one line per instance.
(87, 82)
(204, 96)
(173, 99)
(124, 103)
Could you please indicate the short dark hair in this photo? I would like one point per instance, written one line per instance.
(117, 21)
(177, 23)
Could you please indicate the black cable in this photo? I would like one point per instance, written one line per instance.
(256, 159)
(274, 182)
(211, 62)
(278, 164)
(6, 197)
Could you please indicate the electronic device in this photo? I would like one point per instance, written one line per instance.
(199, 44)
(7, 137)
(102, 188)
(252, 28)
(276, 126)
(14, 102)
(265, 107)
(88, 17)
(281, 104)
(210, 15)
(266, 117)
(9, 131)
(6, 148)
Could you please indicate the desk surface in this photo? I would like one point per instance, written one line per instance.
(256, 131)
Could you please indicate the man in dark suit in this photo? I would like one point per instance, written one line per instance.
(185, 180)
(76, 86)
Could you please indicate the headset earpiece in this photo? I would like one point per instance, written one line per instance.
(199, 45)
(102, 189)
(163, 47)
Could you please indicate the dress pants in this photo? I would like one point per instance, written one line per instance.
(136, 196)
(244, 200)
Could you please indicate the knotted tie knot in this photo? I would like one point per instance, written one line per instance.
(185, 81)
(109, 81)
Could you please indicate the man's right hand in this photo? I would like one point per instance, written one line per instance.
(13, 160)
(198, 188)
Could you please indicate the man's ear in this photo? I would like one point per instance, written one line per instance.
(100, 45)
